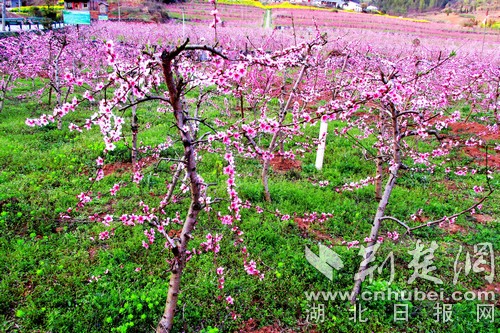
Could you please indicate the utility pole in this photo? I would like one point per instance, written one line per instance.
(4, 13)
(119, 14)
(183, 25)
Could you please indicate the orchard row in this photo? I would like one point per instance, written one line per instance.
(255, 93)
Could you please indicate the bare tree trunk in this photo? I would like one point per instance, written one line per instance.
(265, 180)
(50, 95)
(135, 129)
(167, 320)
(4, 91)
(495, 102)
(378, 178)
(241, 106)
(276, 135)
(175, 89)
(373, 234)
(57, 79)
(282, 144)
(58, 88)
(396, 154)
(175, 179)
(59, 120)
(2, 100)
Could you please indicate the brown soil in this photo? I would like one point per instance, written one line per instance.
(174, 233)
(250, 326)
(421, 219)
(450, 185)
(474, 128)
(305, 227)
(483, 218)
(487, 268)
(92, 253)
(122, 167)
(476, 152)
(495, 287)
(117, 167)
(281, 164)
(454, 228)
(480, 157)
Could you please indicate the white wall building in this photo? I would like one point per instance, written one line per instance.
(351, 5)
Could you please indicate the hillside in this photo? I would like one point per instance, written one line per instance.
(464, 13)
(489, 18)
(419, 6)
(460, 12)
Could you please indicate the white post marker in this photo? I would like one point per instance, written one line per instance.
(119, 12)
(322, 143)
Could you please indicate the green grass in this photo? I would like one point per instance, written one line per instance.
(31, 9)
(282, 5)
(47, 262)
(495, 25)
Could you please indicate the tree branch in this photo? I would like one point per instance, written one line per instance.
(398, 221)
(428, 224)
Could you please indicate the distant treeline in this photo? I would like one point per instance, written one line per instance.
(406, 6)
